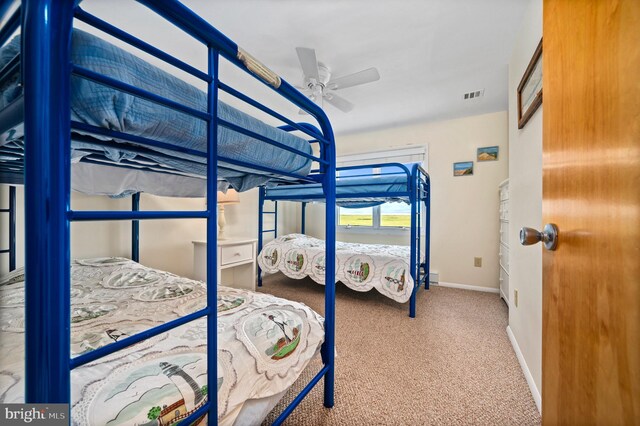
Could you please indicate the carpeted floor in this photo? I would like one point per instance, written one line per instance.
(453, 364)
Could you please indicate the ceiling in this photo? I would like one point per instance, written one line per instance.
(428, 52)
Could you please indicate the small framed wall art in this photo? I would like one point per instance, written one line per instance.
(464, 168)
(488, 153)
(530, 88)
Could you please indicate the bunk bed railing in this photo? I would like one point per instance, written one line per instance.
(184, 18)
(115, 84)
(10, 20)
(47, 69)
(403, 171)
(310, 128)
(104, 26)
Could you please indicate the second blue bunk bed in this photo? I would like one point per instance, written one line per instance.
(51, 145)
(357, 186)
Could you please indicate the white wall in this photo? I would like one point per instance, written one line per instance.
(525, 186)
(164, 244)
(464, 221)
(87, 240)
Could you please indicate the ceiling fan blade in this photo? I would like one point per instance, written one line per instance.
(308, 62)
(339, 102)
(355, 79)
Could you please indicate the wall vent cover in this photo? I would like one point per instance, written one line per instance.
(473, 95)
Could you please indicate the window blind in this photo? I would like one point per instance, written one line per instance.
(406, 155)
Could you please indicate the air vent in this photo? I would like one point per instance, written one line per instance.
(473, 95)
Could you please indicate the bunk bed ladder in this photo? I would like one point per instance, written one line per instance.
(261, 230)
(418, 231)
(419, 199)
(135, 229)
(11, 211)
(427, 244)
(303, 219)
(415, 244)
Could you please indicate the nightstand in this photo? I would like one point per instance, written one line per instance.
(236, 262)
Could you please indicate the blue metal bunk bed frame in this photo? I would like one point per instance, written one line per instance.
(46, 27)
(418, 194)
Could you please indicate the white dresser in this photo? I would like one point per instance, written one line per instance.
(236, 262)
(503, 189)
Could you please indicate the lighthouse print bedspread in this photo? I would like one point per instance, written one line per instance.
(360, 267)
(264, 344)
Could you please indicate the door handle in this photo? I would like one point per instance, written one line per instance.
(549, 236)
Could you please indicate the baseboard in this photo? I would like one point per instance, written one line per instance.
(467, 287)
(504, 297)
(525, 369)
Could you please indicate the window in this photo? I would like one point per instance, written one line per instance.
(395, 215)
(355, 217)
(387, 216)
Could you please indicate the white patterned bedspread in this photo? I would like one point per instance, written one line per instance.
(264, 344)
(360, 267)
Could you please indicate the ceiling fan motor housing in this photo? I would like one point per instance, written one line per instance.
(324, 74)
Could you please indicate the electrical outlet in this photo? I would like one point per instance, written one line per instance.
(477, 262)
(515, 297)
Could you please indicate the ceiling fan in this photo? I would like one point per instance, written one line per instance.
(319, 86)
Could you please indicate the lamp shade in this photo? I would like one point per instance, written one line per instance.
(231, 197)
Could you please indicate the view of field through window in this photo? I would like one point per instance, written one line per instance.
(396, 215)
(356, 217)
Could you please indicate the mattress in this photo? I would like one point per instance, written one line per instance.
(102, 106)
(350, 192)
(103, 178)
(264, 344)
(361, 267)
(99, 179)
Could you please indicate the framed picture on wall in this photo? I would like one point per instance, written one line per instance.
(488, 153)
(464, 168)
(530, 88)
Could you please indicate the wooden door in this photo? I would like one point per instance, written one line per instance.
(591, 190)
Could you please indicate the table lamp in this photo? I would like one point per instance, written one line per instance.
(231, 197)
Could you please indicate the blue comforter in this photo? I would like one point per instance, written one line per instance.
(355, 192)
(105, 107)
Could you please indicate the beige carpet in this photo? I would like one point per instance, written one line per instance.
(453, 364)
